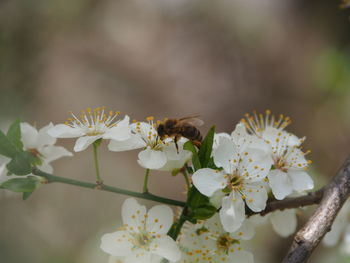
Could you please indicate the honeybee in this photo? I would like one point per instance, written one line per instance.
(184, 127)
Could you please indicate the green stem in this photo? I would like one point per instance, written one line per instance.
(97, 167)
(176, 227)
(58, 179)
(145, 182)
(188, 184)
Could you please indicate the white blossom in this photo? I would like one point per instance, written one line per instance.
(289, 174)
(93, 125)
(40, 144)
(208, 242)
(143, 235)
(156, 154)
(241, 179)
(284, 223)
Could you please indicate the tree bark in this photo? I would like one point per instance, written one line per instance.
(310, 235)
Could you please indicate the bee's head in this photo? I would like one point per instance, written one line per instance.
(161, 129)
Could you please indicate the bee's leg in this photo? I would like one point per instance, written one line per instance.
(197, 143)
(177, 137)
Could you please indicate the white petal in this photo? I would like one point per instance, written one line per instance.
(259, 220)
(270, 134)
(284, 222)
(216, 198)
(294, 140)
(175, 160)
(117, 243)
(174, 164)
(217, 137)
(44, 138)
(232, 213)
(65, 131)
(133, 214)
(240, 137)
(83, 142)
(159, 220)
(144, 129)
(333, 236)
(280, 184)
(46, 167)
(241, 256)
(52, 153)
(152, 159)
(296, 158)
(29, 135)
(300, 179)
(255, 164)
(139, 256)
(171, 152)
(225, 153)
(245, 232)
(4, 159)
(207, 181)
(134, 142)
(167, 248)
(120, 132)
(212, 223)
(256, 196)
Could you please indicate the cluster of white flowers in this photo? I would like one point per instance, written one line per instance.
(258, 156)
(208, 242)
(41, 145)
(258, 161)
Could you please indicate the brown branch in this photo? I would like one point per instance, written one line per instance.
(310, 235)
(311, 198)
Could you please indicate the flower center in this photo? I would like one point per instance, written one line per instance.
(281, 164)
(34, 152)
(94, 133)
(224, 242)
(94, 121)
(234, 183)
(142, 240)
(150, 136)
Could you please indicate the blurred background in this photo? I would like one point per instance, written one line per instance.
(166, 58)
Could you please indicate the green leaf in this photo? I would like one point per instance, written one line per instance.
(175, 171)
(21, 185)
(6, 147)
(14, 135)
(195, 159)
(21, 164)
(203, 212)
(195, 199)
(212, 165)
(26, 195)
(204, 153)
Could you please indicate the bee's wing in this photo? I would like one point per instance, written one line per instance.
(194, 120)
